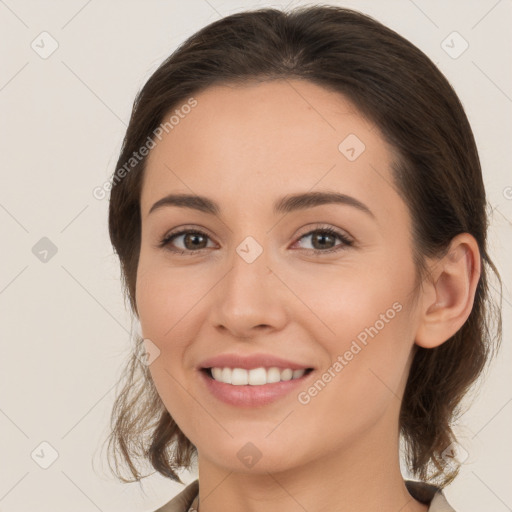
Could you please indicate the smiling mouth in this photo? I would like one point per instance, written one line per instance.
(256, 376)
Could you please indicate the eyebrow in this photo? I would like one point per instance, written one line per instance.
(286, 204)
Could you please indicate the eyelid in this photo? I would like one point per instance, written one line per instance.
(325, 227)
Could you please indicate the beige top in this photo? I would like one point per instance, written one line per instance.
(187, 499)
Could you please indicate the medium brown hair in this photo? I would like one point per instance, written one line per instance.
(437, 173)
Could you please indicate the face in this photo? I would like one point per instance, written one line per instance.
(252, 279)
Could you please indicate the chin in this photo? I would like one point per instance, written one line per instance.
(252, 457)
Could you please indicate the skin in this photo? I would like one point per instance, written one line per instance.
(244, 147)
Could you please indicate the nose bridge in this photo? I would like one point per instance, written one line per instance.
(250, 268)
(246, 296)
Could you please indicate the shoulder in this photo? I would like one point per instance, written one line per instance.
(182, 501)
(429, 494)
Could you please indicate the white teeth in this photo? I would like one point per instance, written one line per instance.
(273, 375)
(239, 377)
(256, 376)
(298, 373)
(217, 373)
(287, 374)
(226, 375)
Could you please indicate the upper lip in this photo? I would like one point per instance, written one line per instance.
(249, 362)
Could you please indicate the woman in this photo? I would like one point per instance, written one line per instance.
(299, 213)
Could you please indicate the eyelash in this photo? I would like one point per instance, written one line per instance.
(165, 242)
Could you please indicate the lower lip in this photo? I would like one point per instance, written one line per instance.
(251, 396)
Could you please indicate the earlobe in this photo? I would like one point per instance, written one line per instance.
(449, 292)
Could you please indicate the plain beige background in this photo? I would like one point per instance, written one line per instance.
(64, 326)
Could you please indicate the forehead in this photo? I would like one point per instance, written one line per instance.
(250, 143)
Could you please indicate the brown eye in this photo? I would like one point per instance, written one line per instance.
(193, 241)
(322, 240)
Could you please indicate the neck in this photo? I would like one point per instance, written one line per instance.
(363, 475)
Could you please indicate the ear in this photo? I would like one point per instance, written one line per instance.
(448, 292)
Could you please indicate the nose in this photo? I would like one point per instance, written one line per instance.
(249, 299)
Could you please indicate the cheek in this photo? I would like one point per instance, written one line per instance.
(363, 321)
(362, 384)
(351, 301)
(165, 301)
(164, 298)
